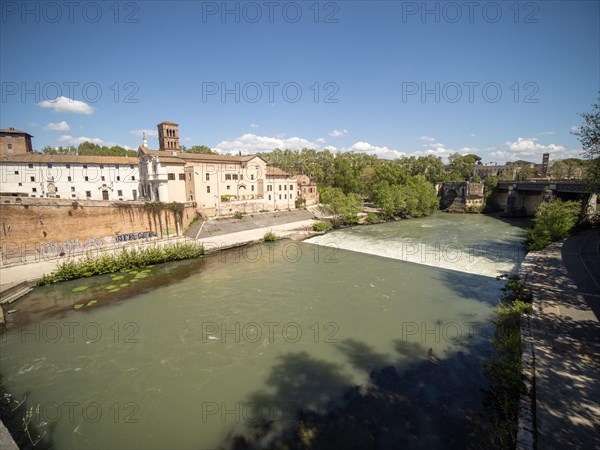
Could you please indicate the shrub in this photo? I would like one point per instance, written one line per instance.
(126, 259)
(372, 218)
(270, 236)
(553, 221)
(322, 226)
(238, 215)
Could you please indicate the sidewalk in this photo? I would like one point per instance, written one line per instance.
(566, 349)
(31, 271)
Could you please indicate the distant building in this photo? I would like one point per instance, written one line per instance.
(70, 176)
(488, 170)
(14, 142)
(219, 184)
(307, 190)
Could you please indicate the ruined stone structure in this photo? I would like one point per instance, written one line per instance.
(461, 196)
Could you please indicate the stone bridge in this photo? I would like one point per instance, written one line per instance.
(521, 198)
(460, 196)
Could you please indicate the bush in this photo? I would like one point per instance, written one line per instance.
(372, 218)
(126, 259)
(270, 236)
(238, 215)
(322, 226)
(553, 221)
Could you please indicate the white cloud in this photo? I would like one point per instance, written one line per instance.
(529, 146)
(321, 141)
(67, 105)
(140, 133)
(574, 129)
(546, 133)
(252, 143)
(338, 133)
(253, 125)
(58, 126)
(472, 135)
(381, 152)
(427, 138)
(76, 140)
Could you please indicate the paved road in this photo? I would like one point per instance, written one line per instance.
(581, 257)
(566, 342)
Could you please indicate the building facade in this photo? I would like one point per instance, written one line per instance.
(70, 176)
(14, 142)
(307, 190)
(219, 184)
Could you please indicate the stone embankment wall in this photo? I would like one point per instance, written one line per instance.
(33, 225)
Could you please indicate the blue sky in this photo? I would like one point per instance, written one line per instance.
(505, 80)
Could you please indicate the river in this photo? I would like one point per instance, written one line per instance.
(191, 354)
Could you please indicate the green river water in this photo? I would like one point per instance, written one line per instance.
(192, 353)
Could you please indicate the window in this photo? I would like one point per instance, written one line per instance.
(182, 177)
(279, 187)
(252, 188)
(284, 187)
(171, 176)
(86, 178)
(131, 166)
(33, 189)
(16, 172)
(103, 178)
(191, 197)
(120, 193)
(252, 177)
(291, 187)
(85, 166)
(72, 188)
(73, 195)
(228, 187)
(269, 196)
(227, 176)
(102, 166)
(279, 196)
(132, 178)
(68, 166)
(20, 184)
(69, 179)
(10, 146)
(117, 166)
(208, 177)
(32, 179)
(269, 187)
(118, 178)
(49, 166)
(88, 194)
(208, 189)
(30, 166)
(285, 196)
(190, 176)
(235, 177)
(241, 177)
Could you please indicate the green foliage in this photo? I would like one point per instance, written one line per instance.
(415, 198)
(489, 185)
(343, 207)
(589, 136)
(461, 167)
(270, 236)
(238, 215)
(514, 290)
(372, 218)
(322, 226)
(201, 149)
(88, 148)
(553, 221)
(505, 372)
(125, 260)
(226, 197)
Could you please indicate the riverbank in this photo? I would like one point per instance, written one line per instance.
(562, 345)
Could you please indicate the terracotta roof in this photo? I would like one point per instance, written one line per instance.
(13, 131)
(69, 159)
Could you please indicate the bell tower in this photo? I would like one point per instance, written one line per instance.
(168, 136)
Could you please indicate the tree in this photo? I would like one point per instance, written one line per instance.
(461, 167)
(343, 207)
(553, 221)
(201, 149)
(589, 136)
(70, 150)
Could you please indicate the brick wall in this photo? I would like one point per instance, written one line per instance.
(31, 222)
